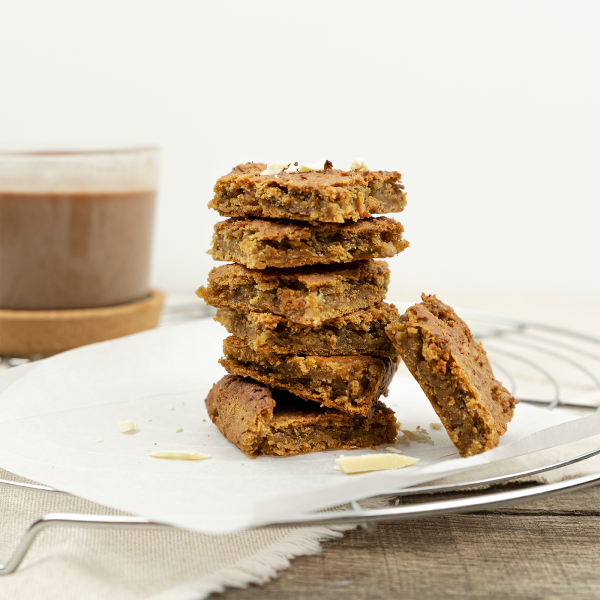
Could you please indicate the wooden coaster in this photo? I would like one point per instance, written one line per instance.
(25, 333)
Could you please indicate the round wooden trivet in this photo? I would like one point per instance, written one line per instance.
(26, 333)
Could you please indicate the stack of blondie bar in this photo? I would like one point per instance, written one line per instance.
(308, 358)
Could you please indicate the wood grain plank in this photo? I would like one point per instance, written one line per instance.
(549, 550)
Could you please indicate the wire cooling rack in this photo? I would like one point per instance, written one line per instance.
(539, 364)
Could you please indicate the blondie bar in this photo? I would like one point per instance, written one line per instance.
(454, 372)
(259, 420)
(330, 196)
(261, 243)
(307, 295)
(359, 332)
(348, 383)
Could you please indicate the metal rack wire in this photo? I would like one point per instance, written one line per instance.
(539, 364)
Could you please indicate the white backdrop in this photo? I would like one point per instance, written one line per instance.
(489, 109)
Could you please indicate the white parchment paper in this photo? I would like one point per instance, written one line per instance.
(52, 412)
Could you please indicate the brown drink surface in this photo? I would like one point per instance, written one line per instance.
(74, 250)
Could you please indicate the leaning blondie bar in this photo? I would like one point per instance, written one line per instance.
(307, 295)
(330, 196)
(454, 372)
(351, 384)
(359, 332)
(259, 420)
(262, 243)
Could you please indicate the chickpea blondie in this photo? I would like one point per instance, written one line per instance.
(454, 372)
(359, 332)
(329, 196)
(351, 384)
(260, 420)
(307, 295)
(262, 243)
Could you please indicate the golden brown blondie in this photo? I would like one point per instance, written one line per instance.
(351, 384)
(454, 372)
(308, 295)
(330, 196)
(262, 243)
(359, 332)
(259, 420)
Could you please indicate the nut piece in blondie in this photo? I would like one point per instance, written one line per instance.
(307, 295)
(359, 332)
(330, 196)
(262, 243)
(259, 420)
(351, 384)
(454, 372)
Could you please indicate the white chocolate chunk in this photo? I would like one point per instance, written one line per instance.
(127, 426)
(316, 166)
(180, 455)
(179, 430)
(436, 426)
(418, 435)
(374, 462)
(277, 167)
(98, 441)
(274, 168)
(393, 450)
(358, 164)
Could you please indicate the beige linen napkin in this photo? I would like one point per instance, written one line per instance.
(127, 564)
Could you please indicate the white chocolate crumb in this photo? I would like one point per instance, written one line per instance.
(358, 164)
(146, 449)
(403, 439)
(179, 430)
(171, 407)
(394, 450)
(419, 435)
(374, 462)
(98, 441)
(436, 426)
(274, 168)
(127, 426)
(180, 455)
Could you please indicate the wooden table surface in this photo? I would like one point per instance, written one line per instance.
(549, 548)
